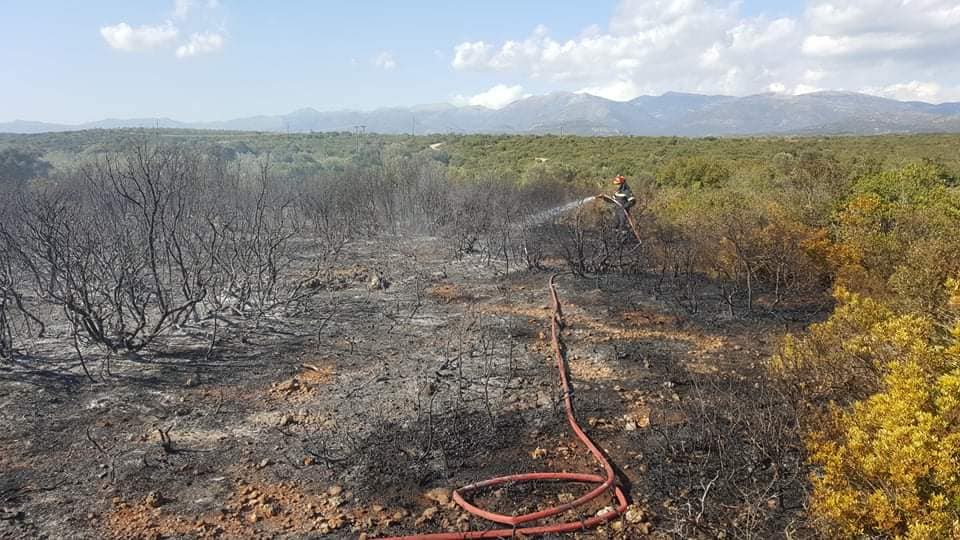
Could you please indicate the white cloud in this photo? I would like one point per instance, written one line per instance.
(471, 54)
(891, 42)
(668, 44)
(181, 8)
(847, 28)
(127, 38)
(917, 91)
(497, 97)
(814, 75)
(805, 89)
(620, 90)
(201, 43)
(164, 36)
(709, 46)
(777, 88)
(385, 60)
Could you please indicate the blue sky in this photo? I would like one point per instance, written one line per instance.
(219, 59)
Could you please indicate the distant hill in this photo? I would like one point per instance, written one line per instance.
(672, 113)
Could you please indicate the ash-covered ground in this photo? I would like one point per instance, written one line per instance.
(357, 415)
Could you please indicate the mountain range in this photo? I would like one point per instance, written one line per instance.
(673, 113)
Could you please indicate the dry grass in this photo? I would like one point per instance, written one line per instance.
(449, 293)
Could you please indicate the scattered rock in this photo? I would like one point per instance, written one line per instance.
(440, 496)
(427, 515)
(155, 499)
(334, 491)
(605, 510)
(634, 515)
(543, 400)
(269, 509)
(378, 282)
(288, 386)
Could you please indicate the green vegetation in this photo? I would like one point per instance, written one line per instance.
(878, 380)
(587, 160)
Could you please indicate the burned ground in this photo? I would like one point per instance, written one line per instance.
(358, 414)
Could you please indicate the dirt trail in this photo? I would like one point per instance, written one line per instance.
(361, 424)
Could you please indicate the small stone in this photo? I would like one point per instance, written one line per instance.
(634, 515)
(253, 517)
(288, 386)
(440, 496)
(378, 283)
(264, 463)
(334, 491)
(543, 400)
(427, 515)
(155, 499)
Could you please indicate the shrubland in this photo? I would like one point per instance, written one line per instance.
(128, 237)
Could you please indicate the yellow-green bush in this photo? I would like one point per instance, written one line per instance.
(888, 464)
(891, 465)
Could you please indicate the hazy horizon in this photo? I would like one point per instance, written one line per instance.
(254, 114)
(216, 60)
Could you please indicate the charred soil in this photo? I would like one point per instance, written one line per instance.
(356, 416)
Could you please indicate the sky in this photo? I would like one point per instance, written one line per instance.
(206, 60)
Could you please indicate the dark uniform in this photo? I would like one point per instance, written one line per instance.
(623, 196)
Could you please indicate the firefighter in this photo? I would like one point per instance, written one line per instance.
(625, 200)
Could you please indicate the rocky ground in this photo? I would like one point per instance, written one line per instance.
(356, 416)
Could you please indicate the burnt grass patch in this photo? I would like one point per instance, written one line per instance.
(395, 461)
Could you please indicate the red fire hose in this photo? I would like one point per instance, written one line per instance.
(605, 484)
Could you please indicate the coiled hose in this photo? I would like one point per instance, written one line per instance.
(519, 524)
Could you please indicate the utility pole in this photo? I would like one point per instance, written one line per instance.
(359, 130)
(413, 125)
